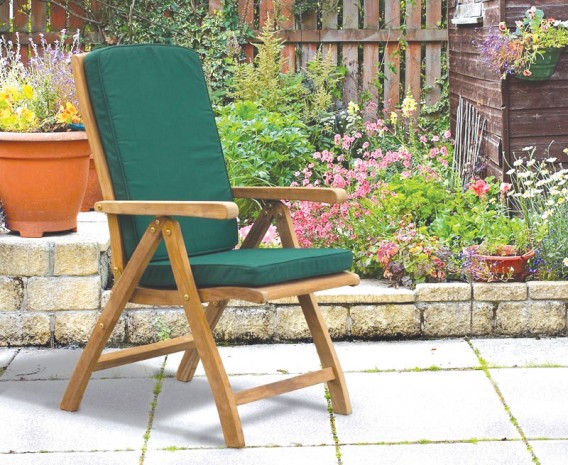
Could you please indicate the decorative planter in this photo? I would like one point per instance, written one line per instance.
(93, 194)
(508, 266)
(544, 66)
(43, 177)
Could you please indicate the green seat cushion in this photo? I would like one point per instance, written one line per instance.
(160, 139)
(252, 267)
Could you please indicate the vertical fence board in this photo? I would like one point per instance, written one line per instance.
(287, 23)
(433, 53)
(392, 55)
(329, 21)
(414, 50)
(39, 16)
(20, 15)
(371, 51)
(350, 51)
(74, 20)
(266, 10)
(214, 5)
(5, 16)
(309, 22)
(246, 13)
(57, 17)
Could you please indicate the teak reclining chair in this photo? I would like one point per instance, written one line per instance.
(158, 156)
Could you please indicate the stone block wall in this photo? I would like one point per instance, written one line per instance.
(52, 290)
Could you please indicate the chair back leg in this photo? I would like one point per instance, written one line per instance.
(190, 358)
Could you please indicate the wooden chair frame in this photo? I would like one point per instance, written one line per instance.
(200, 345)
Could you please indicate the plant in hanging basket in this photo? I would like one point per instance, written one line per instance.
(43, 167)
(531, 51)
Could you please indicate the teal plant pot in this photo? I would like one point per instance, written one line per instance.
(544, 66)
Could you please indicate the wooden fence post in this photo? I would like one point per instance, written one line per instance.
(351, 52)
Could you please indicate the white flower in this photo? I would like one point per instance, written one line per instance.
(518, 162)
(511, 171)
(529, 182)
(526, 174)
(542, 182)
(527, 149)
(550, 202)
(531, 162)
(550, 160)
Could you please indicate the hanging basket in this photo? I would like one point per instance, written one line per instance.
(544, 66)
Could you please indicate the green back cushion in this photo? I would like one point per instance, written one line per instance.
(158, 131)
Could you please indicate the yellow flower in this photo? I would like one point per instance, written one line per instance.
(408, 106)
(565, 262)
(353, 108)
(9, 94)
(28, 92)
(393, 117)
(69, 114)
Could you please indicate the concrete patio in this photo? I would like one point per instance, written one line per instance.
(429, 402)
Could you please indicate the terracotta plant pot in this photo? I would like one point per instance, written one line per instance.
(43, 177)
(93, 194)
(508, 266)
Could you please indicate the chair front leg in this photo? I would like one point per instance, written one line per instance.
(203, 337)
(107, 320)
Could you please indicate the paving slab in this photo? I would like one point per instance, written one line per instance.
(551, 452)
(52, 364)
(482, 453)
(6, 356)
(408, 406)
(113, 416)
(523, 352)
(186, 416)
(72, 458)
(259, 359)
(320, 455)
(353, 356)
(538, 398)
(405, 355)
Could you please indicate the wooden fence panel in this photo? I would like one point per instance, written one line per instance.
(413, 50)
(371, 50)
(379, 39)
(392, 55)
(350, 52)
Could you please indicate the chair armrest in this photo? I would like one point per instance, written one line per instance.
(313, 194)
(212, 210)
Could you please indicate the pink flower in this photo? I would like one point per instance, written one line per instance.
(505, 187)
(502, 26)
(423, 139)
(527, 72)
(365, 145)
(435, 139)
(447, 134)
(480, 187)
(337, 139)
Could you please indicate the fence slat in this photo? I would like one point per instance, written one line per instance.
(413, 50)
(214, 5)
(287, 23)
(392, 54)
(246, 13)
(309, 23)
(329, 21)
(266, 10)
(74, 20)
(57, 17)
(350, 52)
(371, 51)
(5, 16)
(20, 15)
(39, 16)
(433, 53)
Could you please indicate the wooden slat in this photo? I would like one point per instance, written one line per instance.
(309, 45)
(351, 52)
(39, 16)
(371, 51)
(314, 194)
(74, 18)
(289, 50)
(326, 36)
(197, 209)
(413, 51)
(215, 5)
(246, 13)
(266, 14)
(329, 21)
(392, 57)
(57, 17)
(136, 354)
(5, 16)
(433, 53)
(287, 385)
(20, 15)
